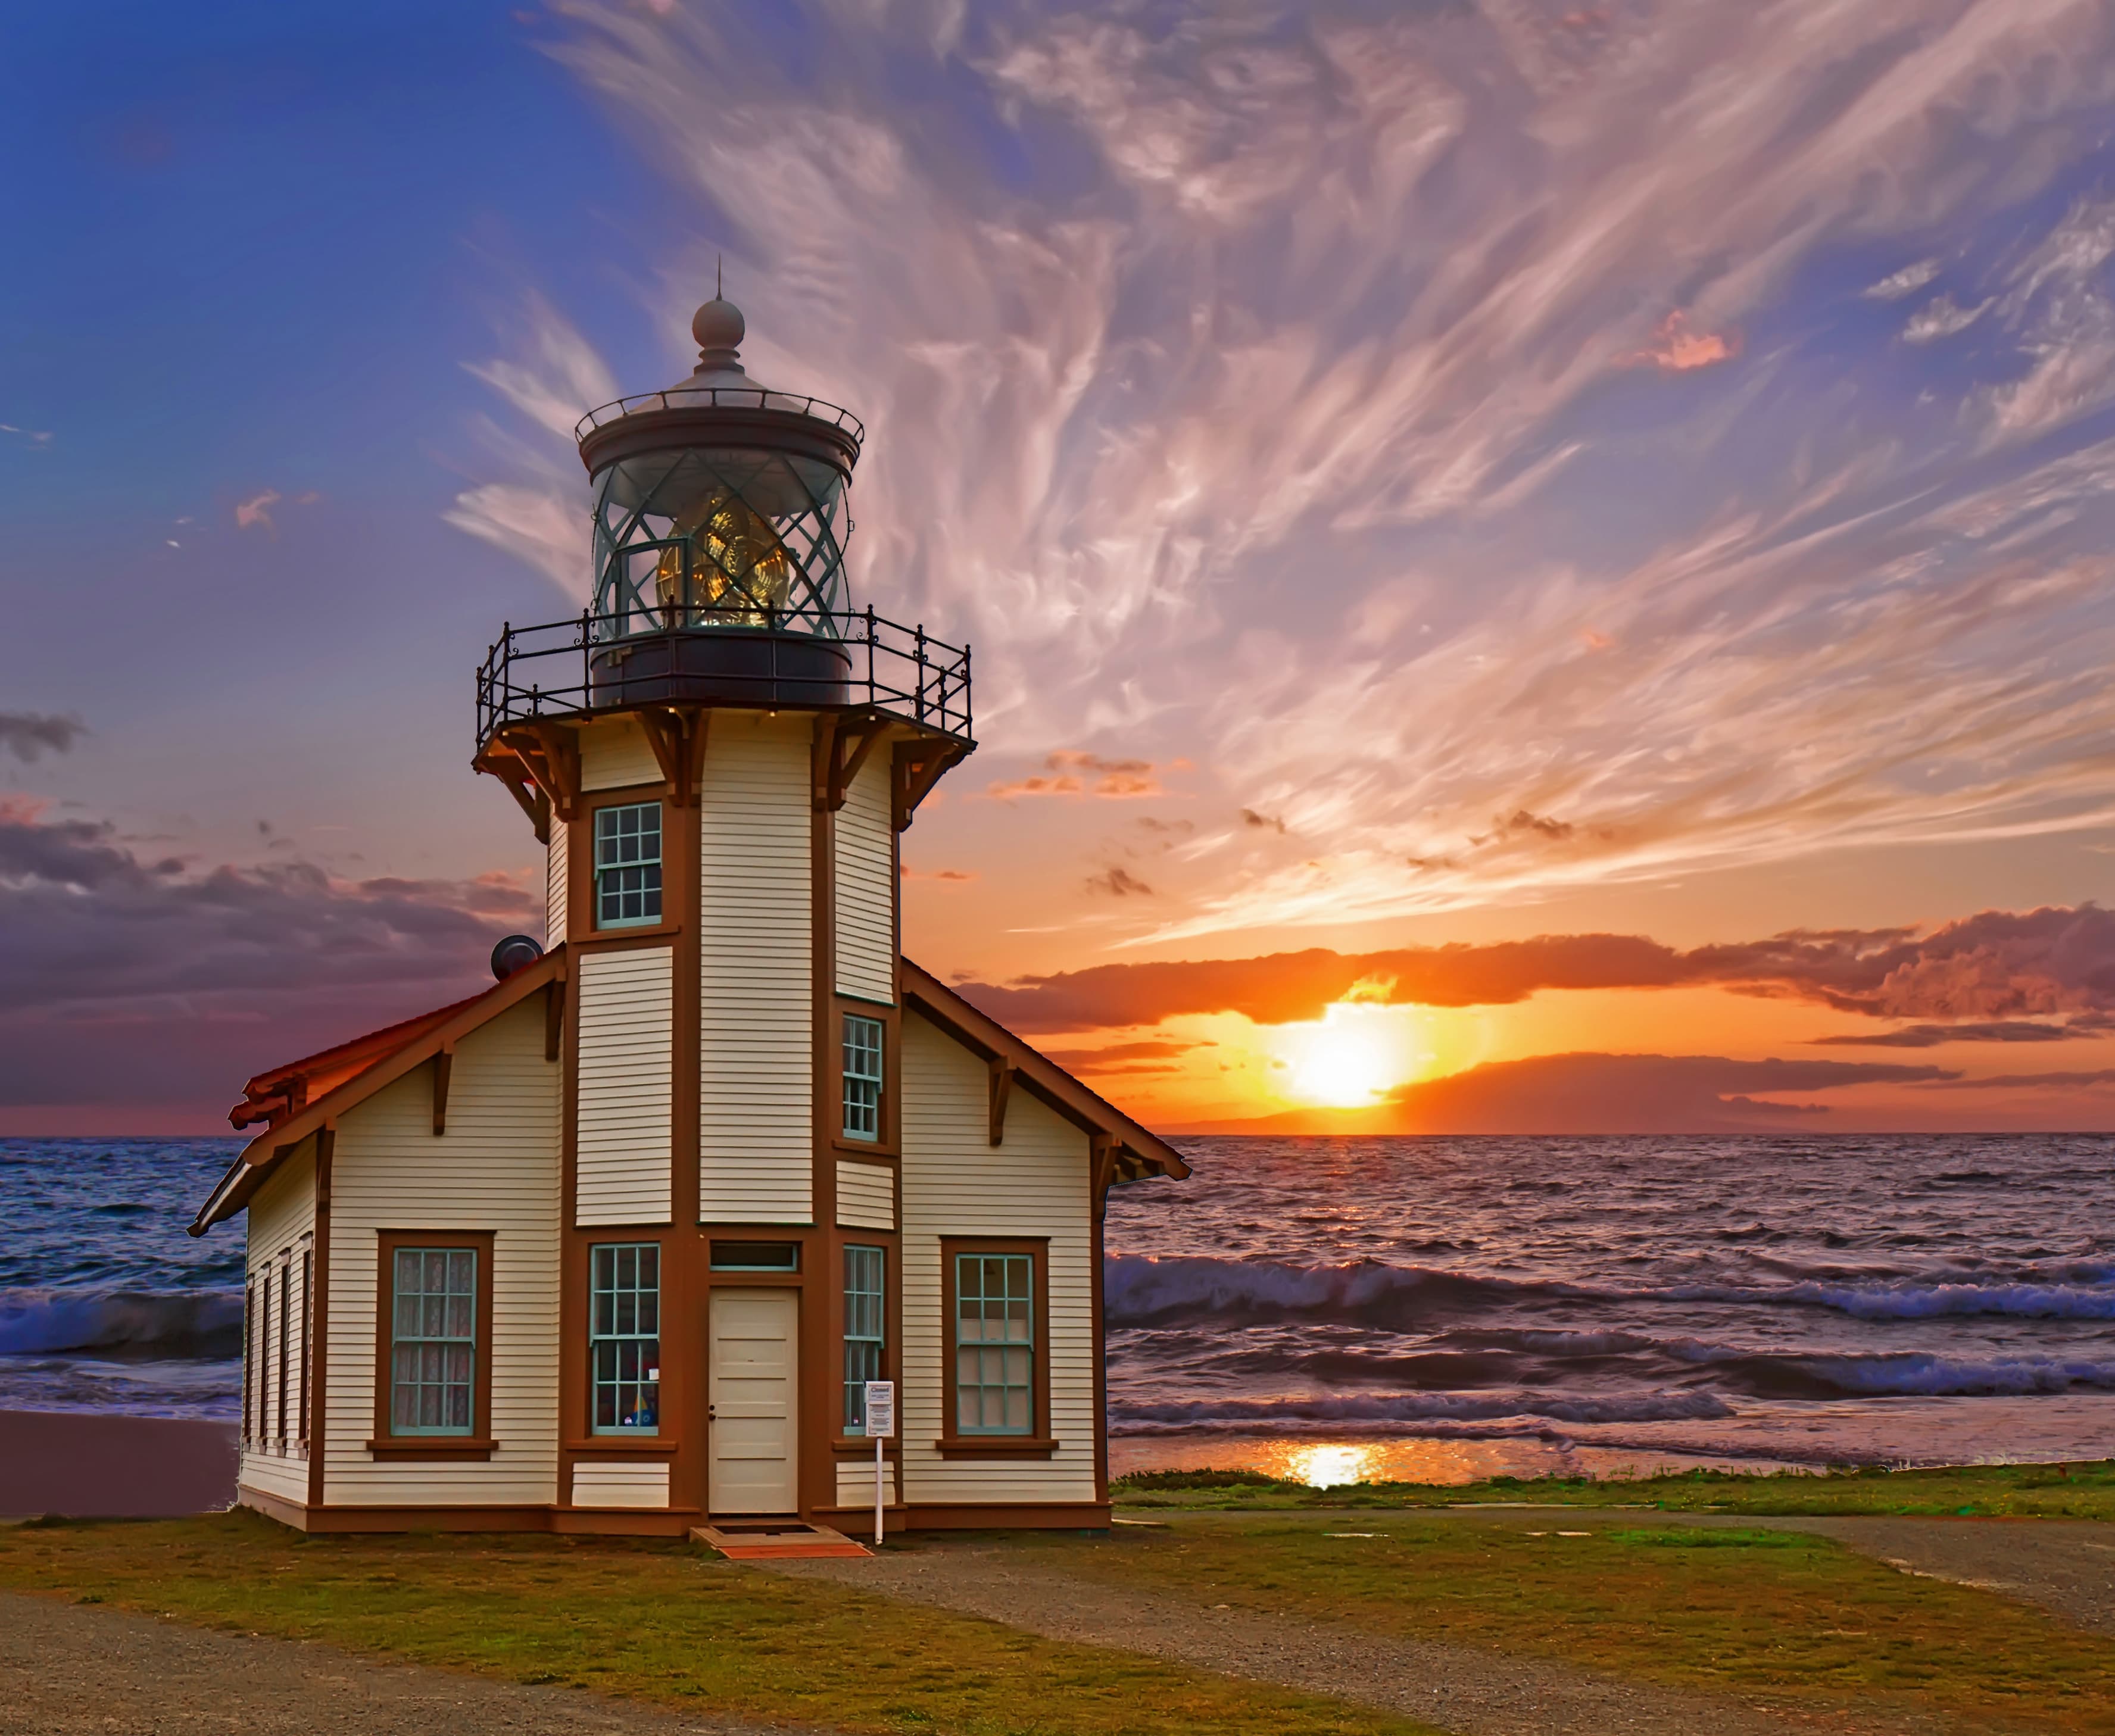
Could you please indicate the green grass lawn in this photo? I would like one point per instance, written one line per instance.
(2068, 1491)
(660, 1622)
(1780, 1617)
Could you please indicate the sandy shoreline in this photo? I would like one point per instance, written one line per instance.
(92, 1465)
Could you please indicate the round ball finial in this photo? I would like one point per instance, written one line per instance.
(717, 325)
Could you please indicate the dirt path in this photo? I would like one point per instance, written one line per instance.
(66, 1670)
(1479, 1693)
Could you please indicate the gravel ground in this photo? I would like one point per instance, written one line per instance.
(66, 1670)
(1457, 1687)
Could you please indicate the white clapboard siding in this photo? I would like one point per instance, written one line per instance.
(855, 1488)
(956, 1183)
(615, 751)
(626, 1025)
(866, 1195)
(497, 1168)
(281, 1224)
(555, 870)
(755, 936)
(620, 1485)
(866, 886)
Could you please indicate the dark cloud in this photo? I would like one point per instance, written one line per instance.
(133, 981)
(1609, 1094)
(1120, 1056)
(1119, 882)
(2077, 1081)
(29, 735)
(1997, 966)
(1931, 1036)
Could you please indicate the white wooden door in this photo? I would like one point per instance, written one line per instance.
(755, 1363)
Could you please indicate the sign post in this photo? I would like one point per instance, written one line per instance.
(881, 1425)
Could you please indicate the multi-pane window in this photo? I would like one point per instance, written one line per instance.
(866, 1330)
(433, 1341)
(994, 1343)
(286, 1340)
(624, 1337)
(862, 1077)
(627, 865)
(308, 1330)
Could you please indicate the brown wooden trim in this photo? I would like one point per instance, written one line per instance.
(997, 1446)
(1007, 1516)
(821, 1325)
(1100, 1355)
(591, 1447)
(319, 1345)
(500, 761)
(272, 1506)
(387, 1243)
(616, 940)
(572, 1247)
(683, 1342)
(915, 767)
(432, 1446)
(1039, 1247)
(444, 1067)
(861, 1446)
(554, 1018)
(999, 1088)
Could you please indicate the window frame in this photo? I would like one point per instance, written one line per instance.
(887, 1141)
(596, 868)
(879, 1079)
(1037, 1443)
(479, 1443)
(282, 1361)
(848, 1427)
(620, 1431)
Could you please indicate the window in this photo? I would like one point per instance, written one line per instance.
(624, 1337)
(866, 1330)
(286, 1340)
(251, 1412)
(756, 1257)
(994, 1343)
(862, 1077)
(308, 1331)
(432, 1354)
(627, 865)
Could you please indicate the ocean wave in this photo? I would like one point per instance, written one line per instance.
(209, 1325)
(1423, 1407)
(1144, 1290)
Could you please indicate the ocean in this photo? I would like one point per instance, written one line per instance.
(1330, 1309)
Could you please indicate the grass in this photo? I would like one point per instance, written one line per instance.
(656, 1622)
(2067, 1491)
(1783, 1618)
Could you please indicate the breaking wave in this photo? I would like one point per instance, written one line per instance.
(1143, 1290)
(210, 1324)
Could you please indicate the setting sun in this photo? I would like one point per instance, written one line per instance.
(1354, 1054)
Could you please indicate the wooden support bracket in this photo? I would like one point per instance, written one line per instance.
(1002, 1072)
(554, 1017)
(915, 769)
(444, 1065)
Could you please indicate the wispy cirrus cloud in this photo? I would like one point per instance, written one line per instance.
(1259, 376)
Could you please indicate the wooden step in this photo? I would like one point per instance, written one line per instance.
(775, 1540)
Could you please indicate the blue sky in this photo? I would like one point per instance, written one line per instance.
(1477, 470)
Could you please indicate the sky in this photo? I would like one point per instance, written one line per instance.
(1531, 567)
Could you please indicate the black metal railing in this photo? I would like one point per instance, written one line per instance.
(723, 398)
(850, 660)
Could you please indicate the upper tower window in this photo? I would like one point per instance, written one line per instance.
(863, 1077)
(627, 865)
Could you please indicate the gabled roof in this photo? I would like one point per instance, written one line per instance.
(1135, 1152)
(284, 1091)
(355, 1071)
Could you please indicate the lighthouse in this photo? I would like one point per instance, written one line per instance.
(617, 1243)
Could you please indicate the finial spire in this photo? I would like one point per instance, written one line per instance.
(719, 289)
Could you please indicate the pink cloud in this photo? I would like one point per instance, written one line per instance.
(1678, 347)
(257, 510)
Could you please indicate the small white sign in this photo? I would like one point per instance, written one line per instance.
(881, 1409)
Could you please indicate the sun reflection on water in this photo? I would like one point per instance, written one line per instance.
(1327, 1466)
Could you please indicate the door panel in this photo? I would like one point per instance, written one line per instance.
(753, 1453)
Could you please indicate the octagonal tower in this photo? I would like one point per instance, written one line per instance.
(719, 754)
